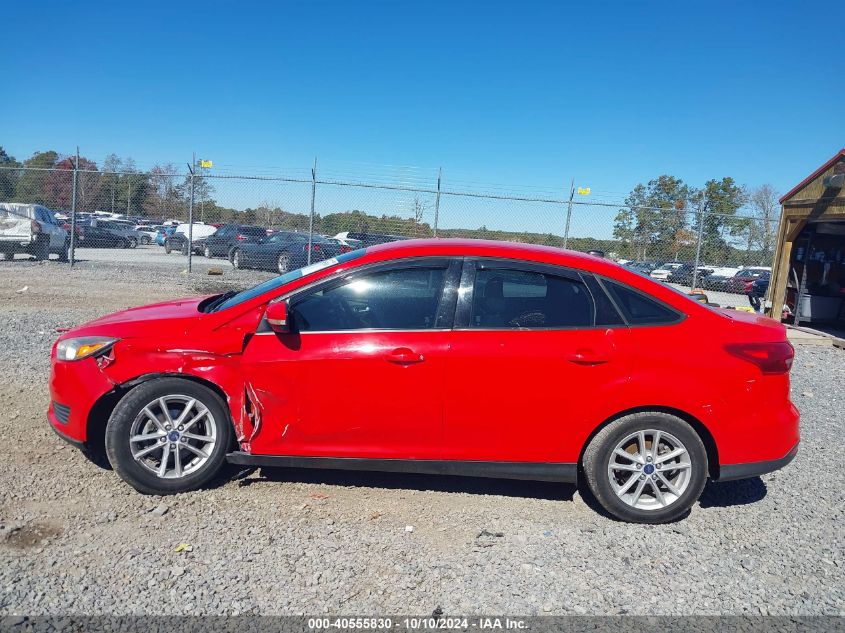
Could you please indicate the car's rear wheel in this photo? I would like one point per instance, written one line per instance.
(145, 239)
(236, 258)
(207, 252)
(168, 435)
(42, 247)
(283, 263)
(646, 467)
(133, 243)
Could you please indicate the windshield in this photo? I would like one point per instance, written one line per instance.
(281, 280)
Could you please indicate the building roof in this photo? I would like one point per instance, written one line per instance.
(813, 176)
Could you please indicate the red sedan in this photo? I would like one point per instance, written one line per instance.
(438, 356)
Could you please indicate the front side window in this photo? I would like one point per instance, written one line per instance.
(399, 299)
(504, 298)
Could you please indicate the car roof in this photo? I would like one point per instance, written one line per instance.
(493, 248)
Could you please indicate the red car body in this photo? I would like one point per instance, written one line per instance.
(518, 396)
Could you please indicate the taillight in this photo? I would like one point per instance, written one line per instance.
(771, 358)
(345, 249)
(36, 228)
(240, 237)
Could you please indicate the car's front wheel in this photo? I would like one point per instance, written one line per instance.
(168, 435)
(646, 467)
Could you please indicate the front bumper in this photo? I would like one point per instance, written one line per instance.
(731, 472)
(75, 386)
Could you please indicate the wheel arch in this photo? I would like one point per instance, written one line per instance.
(697, 425)
(100, 413)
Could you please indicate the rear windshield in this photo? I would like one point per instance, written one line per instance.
(281, 280)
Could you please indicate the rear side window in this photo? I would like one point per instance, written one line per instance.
(640, 309)
(505, 298)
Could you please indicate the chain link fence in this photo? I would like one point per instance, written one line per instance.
(171, 219)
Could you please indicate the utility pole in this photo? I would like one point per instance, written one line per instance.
(191, 168)
(701, 212)
(569, 212)
(437, 201)
(313, 201)
(72, 247)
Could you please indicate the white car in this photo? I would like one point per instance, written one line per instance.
(662, 273)
(147, 233)
(32, 229)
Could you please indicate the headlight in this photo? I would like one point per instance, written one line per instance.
(83, 347)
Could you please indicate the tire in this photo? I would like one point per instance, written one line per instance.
(236, 259)
(145, 240)
(133, 243)
(611, 487)
(283, 263)
(64, 254)
(207, 252)
(42, 247)
(129, 419)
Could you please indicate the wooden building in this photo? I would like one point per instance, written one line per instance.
(808, 273)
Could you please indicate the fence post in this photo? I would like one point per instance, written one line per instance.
(191, 215)
(569, 212)
(437, 201)
(701, 213)
(72, 249)
(313, 201)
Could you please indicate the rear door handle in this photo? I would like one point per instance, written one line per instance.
(587, 357)
(404, 356)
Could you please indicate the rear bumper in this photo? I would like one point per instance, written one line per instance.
(731, 472)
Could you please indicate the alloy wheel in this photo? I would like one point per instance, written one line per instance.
(283, 263)
(649, 469)
(173, 436)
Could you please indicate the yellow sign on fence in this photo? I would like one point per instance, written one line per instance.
(584, 191)
(206, 164)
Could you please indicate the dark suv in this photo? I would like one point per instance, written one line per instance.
(230, 235)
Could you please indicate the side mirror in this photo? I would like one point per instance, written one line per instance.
(277, 317)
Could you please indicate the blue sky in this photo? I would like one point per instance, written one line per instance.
(518, 93)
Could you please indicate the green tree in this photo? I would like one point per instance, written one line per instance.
(8, 176)
(717, 203)
(653, 219)
(31, 184)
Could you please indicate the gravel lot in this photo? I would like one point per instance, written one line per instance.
(75, 540)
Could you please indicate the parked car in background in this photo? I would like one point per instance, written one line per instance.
(178, 239)
(283, 251)
(364, 239)
(717, 279)
(344, 245)
(744, 276)
(644, 268)
(549, 364)
(345, 240)
(683, 275)
(109, 234)
(223, 240)
(32, 229)
(663, 272)
(147, 232)
(164, 232)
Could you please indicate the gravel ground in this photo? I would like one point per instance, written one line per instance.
(75, 540)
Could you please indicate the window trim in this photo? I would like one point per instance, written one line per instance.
(466, 293)
(443, 316)
(603, 281)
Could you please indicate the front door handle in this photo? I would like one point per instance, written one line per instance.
(404, 356)
(587, 356)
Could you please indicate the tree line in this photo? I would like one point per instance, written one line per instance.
(659, 220)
